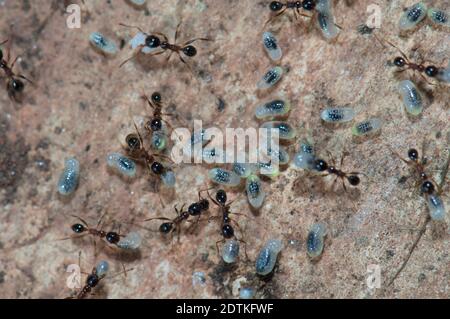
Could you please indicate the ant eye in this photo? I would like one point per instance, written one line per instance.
(152, 41)
(68, 181)
(275, 6)
(156, 97)
(412, 16)
(308, 5)
(399, 61)
(431, 71)
(267, 257)
(190, 50)
(413, 154)
(411, 97)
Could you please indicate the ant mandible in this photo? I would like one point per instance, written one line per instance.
(14, 85)
(153, 41)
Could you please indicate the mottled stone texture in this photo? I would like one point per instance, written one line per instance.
(81, 102)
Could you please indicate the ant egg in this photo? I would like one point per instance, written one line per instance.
(224, 177)
(168, 178)
(270, 78)
(247, 293)
(314, 242)
(244, 169)
(268, 256)
(444, 74)
(68, 181)
(102, 268)
(121, 164)
(255, 193)
(272, 109)
(230, 251)
(325, 22)
(159, 140)
(286, 131)
(411, 97)
(412, 16)
(337, 115)
(436, 207)
(271, 46)
(102, 44)
(367, 127)
(439, 17)
(131, 241)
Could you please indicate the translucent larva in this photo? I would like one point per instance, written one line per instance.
(268, 169)
(68, 180)
(247, 293)
(121, 164)
(325, 22)
(255, 193)
(270, 78)
(224, 177)
(273, 108)
(411, 97)
(244, 169)
(159, 140)
(268, 256)
(436, 207)
(367, 127)
(230, 251)
(103, 44)
(315, 240)
(323, 6)
(102, 268)
(444, 74)
(305, 157)
(139, 40)
(137, 3)
(213, 155)
(337, 115)
(412, 16)
(439, 17)
(286, 131)
(281, 155)
(131, 241)
(168, 178)
(271, 45)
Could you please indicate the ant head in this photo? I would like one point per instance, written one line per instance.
(16, 85)
(427, 187)
(195, 209)
(431, 71)
(308, 5)
(156, 125)
(275, 6)
(399, 61)
(92, 280)
(227, 231)
(152, 41)
(221, 197)
(204, 204)
(413, 154)
(156, 97)
(190, 50)
(157, 168)
(78, 228)
(112, 237)
(320, 165)
(133, 142)
(165, 228)
(353, 180)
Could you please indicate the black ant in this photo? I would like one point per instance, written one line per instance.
(321, 165)
(172, 225)
(153, 41)
(227, 230)
(14, 85)
(155, 124)
(281, 7)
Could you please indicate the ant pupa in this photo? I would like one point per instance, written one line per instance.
(254, 190)
(139, 4)
(305, 157)
(224, 177)
(103, 44)
(337, 115)
(352, 178)
(68, 181)
(367, 127)
(131, 241)
(273, 108)
(439, 17)
(325, 19)
(315, 240)
(412, 99)
(121, 164)
(244, 170)
(444, 74)
(14, 83)
(286, 130)
(247, 293)
(230, 251)
(271, 46)
(267, 257)
(412, 16)
(153, 41)
(281, 154)
(270, 78)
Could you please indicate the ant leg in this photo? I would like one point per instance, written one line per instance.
(169, 56)
(245, 248)
(343, 184)
(158, 218)
(137, 50)
(275, 16)
(101, 218)
(23, 77)
(401, 52)
(1, 43)
(14, 63)
(166, 39)
(331, 158)
(81, 219)
(398, 155)
(177, 31)
(74, 237)
(196, 39)
(334, 182)
(217, 245)
(131, 26)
